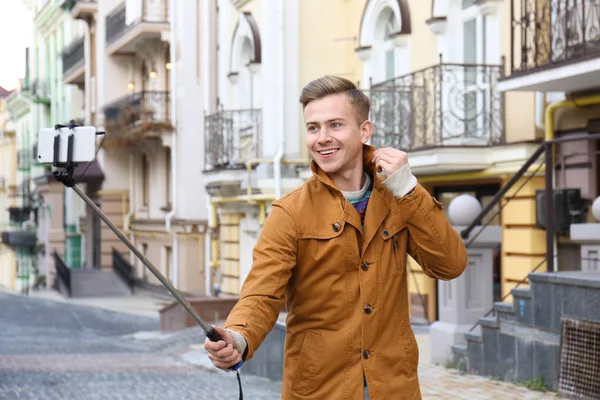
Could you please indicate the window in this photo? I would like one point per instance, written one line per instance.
(144, 273)
(168, 177)
(145, 180)
(169, 263)
(476, 89)
(467, 3)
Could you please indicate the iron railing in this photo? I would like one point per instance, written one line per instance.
(232, 137)
(18, 215)
(148, 110)
(443, 105)
(69, 4)
(156, 11)
(123, 269)
(547, 33)
(62, 272)
(39, 89)
(73, 55)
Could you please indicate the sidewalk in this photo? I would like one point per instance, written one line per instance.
(437, 382)
(140, 303)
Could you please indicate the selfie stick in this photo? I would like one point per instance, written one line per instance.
(66, 177)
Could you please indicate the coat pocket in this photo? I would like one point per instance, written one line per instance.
(309, 366)
(395, 247)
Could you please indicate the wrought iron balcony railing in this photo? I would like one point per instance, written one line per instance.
(132, 116)
(39, 89)
(18, 215)
(232, 137)
(443, 105)
(152, 11)
(73, 55)
(548, 33)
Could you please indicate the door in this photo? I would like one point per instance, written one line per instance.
(96, 240)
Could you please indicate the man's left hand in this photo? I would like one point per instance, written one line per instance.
(389, 160)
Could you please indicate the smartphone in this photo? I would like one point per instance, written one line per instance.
(84, 144)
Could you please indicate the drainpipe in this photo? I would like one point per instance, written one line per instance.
(540, 100)
(87, 44)
(132, 193)
(281, 128)
(173, 106)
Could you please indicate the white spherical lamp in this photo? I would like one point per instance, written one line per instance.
(596, 209)
(463, 209)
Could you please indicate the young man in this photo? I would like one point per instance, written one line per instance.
(334, 252)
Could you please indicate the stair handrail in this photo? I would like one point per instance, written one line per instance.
(62, 271)
(123, 269)
(498, 196)
(546, 147)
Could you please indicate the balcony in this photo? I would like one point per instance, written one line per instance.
(136, 117)
(555, 46)
(40, 91)
(232, 137)
(447, 105)
(128, 27)
(74, 62)
(18, 215)
(81, 9)
(19, 238)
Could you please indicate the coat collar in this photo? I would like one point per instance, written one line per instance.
(368, 153)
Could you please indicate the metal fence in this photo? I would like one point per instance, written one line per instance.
(443, 105)
(73, 55)
(152, 11)
(232, 137)
(548, 32)
(143, 109)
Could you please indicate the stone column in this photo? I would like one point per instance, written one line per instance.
(53, 193)
(462, 301)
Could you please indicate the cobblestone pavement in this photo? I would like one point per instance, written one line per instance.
(56, 350)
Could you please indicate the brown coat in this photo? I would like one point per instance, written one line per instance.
(345, 289)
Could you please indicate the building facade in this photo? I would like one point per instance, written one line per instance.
(431, 70)
(8, 184)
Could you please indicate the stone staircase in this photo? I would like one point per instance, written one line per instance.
(522, 342)
(97, 283)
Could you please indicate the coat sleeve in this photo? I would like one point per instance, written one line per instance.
(433, 242)
(263, 293)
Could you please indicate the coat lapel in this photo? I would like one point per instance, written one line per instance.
(377, 211)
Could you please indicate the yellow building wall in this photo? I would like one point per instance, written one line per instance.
(424, 51)
(229, 240)
(523, 246)
(519, 106)
(8, 268)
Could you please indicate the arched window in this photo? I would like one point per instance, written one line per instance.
(384, 40)
(245, 63)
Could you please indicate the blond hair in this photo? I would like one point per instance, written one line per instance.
(328, 85)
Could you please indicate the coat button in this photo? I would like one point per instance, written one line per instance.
(336, 226)
(368, 309)
(386, 233)
(366, 354)
(364, 265)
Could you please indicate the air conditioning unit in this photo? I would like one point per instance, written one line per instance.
(569, 208)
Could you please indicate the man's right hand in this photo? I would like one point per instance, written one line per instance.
(223, 353)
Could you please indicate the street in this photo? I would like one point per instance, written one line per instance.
(51, 350)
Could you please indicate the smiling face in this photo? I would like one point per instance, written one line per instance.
(335, 139)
